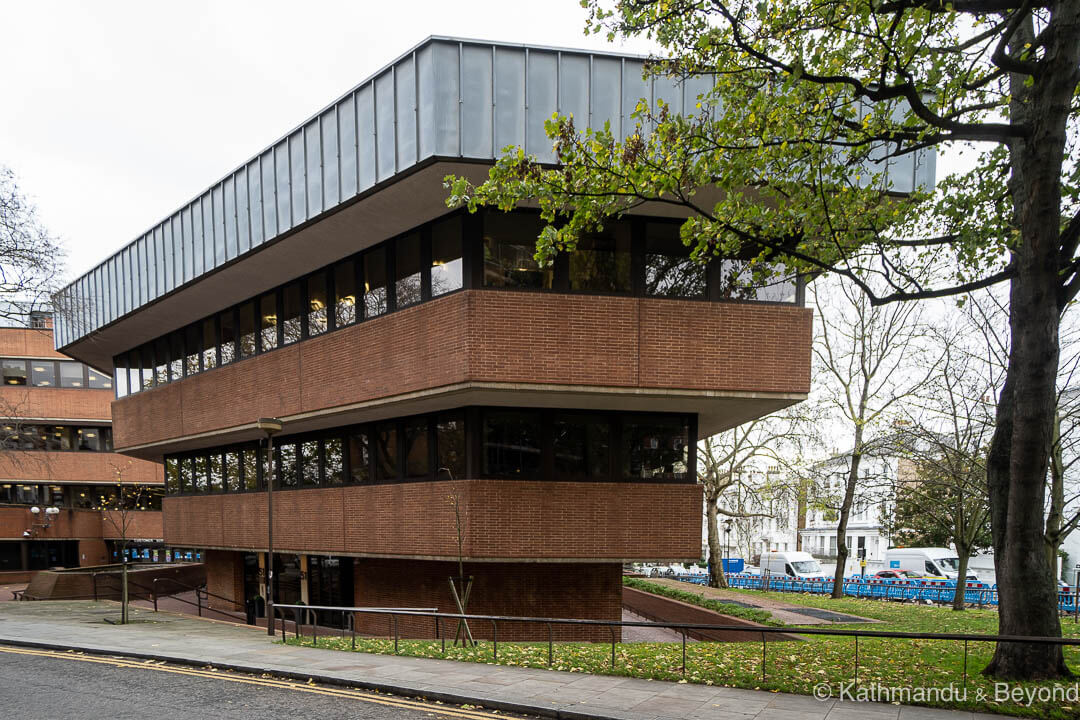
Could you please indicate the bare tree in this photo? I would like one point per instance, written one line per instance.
(119, 512)
(31, 259)
(863, 353)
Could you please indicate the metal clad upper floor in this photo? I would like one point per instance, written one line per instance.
(446, 98)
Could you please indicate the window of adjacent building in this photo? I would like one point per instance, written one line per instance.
(318, 320)
(669, 271)
(509, 247)
(98, 381)
(374, 268)
(601, 262)
(176, 356)
(582, 446)
(417, 461)
(161, 361)
(121, 376)
(214, 471)
(333, 461)
(359, 457)
(88, 439)
(655, 448)
(286, 473)
(386, 449)
(450, 447)
(201, 477)
(27, 494)
(192, 346)
(251, 469)
(511, 443)
(233, 476)
(71, 374)
(268, 322)
(245, 330)
(407, 270)
(309, 463)
(14, 372)
(134, 374)
(172, 476)
(209, 344)
(43, 373)
(57, 437)
(146, 359)
(345, 293)
(54, 495)
(227, 336)
(187, 475)
(446, 264)
(80, 497)
(293, 310)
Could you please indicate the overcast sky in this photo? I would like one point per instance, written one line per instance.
(117, 113)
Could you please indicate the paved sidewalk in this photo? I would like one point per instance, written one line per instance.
(167, 636)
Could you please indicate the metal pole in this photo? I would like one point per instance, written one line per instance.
(683, 653)
(965, 662)
(856, 661)
(763, 657)
(550, 644)
(270, 536)
(495, 638)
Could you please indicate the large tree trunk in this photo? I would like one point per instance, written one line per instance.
(716, 566)
(964, 553)
(1020, 449)
(845, 512)
(1054, 535)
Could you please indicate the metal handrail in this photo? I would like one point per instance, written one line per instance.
(348, 614)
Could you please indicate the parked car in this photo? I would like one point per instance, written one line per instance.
(905, 575)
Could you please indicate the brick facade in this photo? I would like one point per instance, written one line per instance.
(558, 339)
(79, 468)
(504, 520)
(225, 579)
(72, 524)
(25, 342)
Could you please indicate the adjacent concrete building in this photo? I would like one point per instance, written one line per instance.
(419, 357)
(59, 491)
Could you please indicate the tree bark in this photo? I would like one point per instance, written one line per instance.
(1020, 449)
(845, 512)
(716, 565)
(964, 553)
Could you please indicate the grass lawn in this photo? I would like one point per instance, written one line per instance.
(795, 667)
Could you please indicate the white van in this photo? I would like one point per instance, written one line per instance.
(935, 562)
(793, 564)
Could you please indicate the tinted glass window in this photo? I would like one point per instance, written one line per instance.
(245, 329)
(193, 349)
(176, 356)
(293, 308)
(188, 482)
(233, 478)
(446, 256)
(286, 474)
(209, 344)
(134, 374)
(200, 476)
(227, 335)
(71, 374)
(217, 475)
(509, 246)
(89, 438)
(14, 372)
(416, 448)
(58, 437)
(80, 497)
(146, 357)
(333, 461)
(121, 374)
(43, 373)
(375, 282)
(172, 475)
(309, 462)
(345, 293)
(268, 322)
(656, 449)
(450, 444)
(407, 267)
(98, 380)
(582, 446)
(161, 361)
(251, 469)
(318, 320)
(601, 262)
(386, 459)
(359, 458)
(511, 443)
(669, 271)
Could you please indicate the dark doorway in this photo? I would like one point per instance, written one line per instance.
(330, 582)
(286, 579)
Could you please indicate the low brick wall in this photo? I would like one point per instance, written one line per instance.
(662, 609)
(79, 584)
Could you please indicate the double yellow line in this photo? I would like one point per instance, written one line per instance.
(309, 687)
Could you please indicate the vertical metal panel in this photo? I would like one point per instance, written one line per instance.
(217, 215)
(365, 136)
(255, 202)
(228, 217)
(209, 251)
(447, 117)
(384, 125)
(574, 88)
(158, 259)
(425, 94)
(297, 171)
(331, 170)
(282, 192)
(99, 298)
(125, 279)
(634, 88)
(696, 87)
(189, 244)
(605, 93)
(198, 241)
(925, 169)
(243, 213)
(476, 101)
(139, 270)
(347, 133)
(509, 98)
(667, 89)
(542, 74)
(405, 112)
(313, 173)
(269, 195)
(172, 274)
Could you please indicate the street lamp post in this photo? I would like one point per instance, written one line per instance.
(270, 426)
(727, 547)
